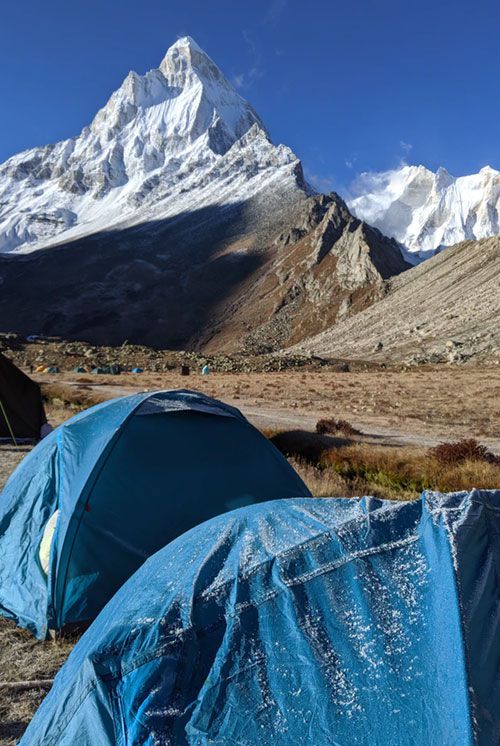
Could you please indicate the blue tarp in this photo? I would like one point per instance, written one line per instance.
(304, 621)
(126, 477)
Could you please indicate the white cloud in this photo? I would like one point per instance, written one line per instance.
(369, 182)
(245, 80)
(406, 146)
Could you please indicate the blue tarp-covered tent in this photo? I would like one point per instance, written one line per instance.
(114, 484)
(304, 621)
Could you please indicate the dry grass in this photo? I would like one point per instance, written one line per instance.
(321, 482)
(440, 402)
(463, 450)
(75, 398)
(341, 468)
(336, 426)
(24, 658)
(402, 473)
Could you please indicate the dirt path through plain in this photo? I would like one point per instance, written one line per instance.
(419, 408)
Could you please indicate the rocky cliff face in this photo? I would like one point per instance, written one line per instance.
(253, 276)
(324, 267)
(444, 310)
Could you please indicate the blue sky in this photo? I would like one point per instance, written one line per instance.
(350, 87)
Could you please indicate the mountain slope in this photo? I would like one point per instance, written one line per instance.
(427, 211)
(446, 309)
(170, 141)
(175, 222)
(250, 276)
(325, 266)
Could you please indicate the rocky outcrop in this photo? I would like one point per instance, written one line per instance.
(446, 310)
(256, 276)
(324, 267)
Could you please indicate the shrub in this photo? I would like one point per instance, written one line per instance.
(79, 397)
(336, 426)
(403, 473)
(463, 450)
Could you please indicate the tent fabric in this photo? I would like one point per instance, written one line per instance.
(126, 477)
(301, 621)
(22, 401)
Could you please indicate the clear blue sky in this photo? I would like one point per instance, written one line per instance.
(351, 86)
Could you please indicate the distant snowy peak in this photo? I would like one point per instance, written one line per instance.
(427, 211)
(175, 139)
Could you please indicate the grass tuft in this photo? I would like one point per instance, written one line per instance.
(461, 451)
(331, 426)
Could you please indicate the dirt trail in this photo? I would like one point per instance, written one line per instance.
(372, 433)
(418, 409)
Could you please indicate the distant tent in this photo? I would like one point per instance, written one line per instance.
(113, 370)
(126, 477)
(21, 407)
(315, 622)
(137, 370)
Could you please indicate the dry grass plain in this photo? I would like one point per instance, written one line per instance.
(414, 406)
(401, 414)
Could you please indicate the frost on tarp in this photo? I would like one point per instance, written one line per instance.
(304, 621)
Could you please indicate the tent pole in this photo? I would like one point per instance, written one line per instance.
(8, 423)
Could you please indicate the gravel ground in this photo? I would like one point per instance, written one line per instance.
(10, 456)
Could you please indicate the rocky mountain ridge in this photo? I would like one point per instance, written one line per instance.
(173, 221)
(446, 310)
(325, 266)
(238, 278)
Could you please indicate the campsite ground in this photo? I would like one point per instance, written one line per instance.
(415, 407)
(399, 415)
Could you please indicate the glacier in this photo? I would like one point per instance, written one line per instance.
(165, 143)
(427, 211)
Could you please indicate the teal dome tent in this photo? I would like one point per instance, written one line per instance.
(114, 484)
(318, 622)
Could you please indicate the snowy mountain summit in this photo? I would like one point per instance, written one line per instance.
(427, 211)
(173, 140)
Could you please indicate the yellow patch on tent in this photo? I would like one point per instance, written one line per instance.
(46, 543)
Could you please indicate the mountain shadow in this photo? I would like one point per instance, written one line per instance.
(157, 283)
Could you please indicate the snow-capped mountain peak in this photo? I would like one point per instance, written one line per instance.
(185, 60)
(427, 211)
(177, 138)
